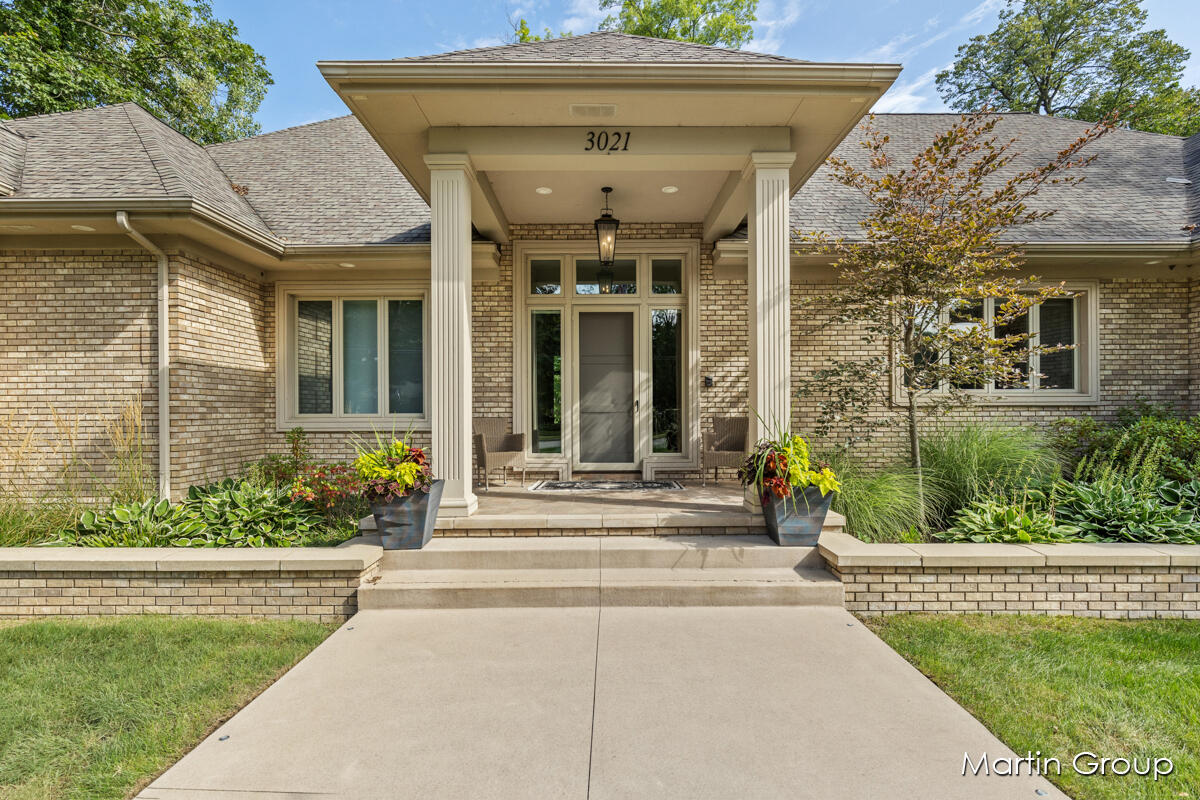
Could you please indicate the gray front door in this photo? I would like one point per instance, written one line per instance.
(606, 399)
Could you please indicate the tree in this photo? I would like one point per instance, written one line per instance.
(715, 22)
(171, 56)
(521, 32)
(933, 248)
(1083, 59)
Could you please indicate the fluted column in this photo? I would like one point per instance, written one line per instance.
(450, 328)
(769, 278)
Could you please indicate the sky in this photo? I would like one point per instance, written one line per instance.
(920, 34)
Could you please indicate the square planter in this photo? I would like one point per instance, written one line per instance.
(796, 521)
(406, 523)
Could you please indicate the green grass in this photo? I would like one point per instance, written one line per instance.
(1064, 685)
(94, 709)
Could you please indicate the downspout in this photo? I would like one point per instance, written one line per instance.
(164, 355)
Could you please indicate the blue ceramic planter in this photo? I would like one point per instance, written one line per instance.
(406, 523)
(796, 521)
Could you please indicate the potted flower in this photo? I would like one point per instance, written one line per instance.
(795, 491)
(404, 497)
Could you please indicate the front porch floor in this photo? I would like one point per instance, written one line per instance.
(514, 510)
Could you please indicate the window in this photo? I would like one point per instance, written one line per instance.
(547, 380)
(666, 379)
(591, 277)
(1061, 376)
(354, 358)
(545, 276)
(666, 276)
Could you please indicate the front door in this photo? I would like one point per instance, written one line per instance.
(607, 399)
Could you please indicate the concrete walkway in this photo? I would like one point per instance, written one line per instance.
(758, 702)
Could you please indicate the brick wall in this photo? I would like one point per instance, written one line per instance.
(1122, 592)
(78, 339)
(221, 372)
(324, 595)
(1145, 337)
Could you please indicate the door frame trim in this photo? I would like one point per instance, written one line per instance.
(690, 250)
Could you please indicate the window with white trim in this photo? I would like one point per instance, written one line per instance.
(1062, 376)
(356, 358)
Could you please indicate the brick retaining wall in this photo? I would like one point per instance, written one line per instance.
(300, 583)
(1124, 581)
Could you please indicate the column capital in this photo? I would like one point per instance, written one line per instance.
(450, 161)
(768, 160)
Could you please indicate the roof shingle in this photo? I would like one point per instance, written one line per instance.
(607, 46)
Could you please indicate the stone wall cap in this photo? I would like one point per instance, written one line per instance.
(1101, 554)
(843, 550)
(1182, 555)
(981, 554)
(356, 557)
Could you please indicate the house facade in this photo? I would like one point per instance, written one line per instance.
(433, 257)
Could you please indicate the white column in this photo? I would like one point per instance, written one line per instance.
(769, 279)
(450, 328)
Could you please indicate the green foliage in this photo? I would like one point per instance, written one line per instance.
(232, 513)
(1083, 60)
(981, 462)
(712, 22)
(1004, 521)
(170, 56)
(1118, 511)
(882, 505)
(521, 33)
(1084, 438)
(937, 239)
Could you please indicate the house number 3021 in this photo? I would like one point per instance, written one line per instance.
(606, 141)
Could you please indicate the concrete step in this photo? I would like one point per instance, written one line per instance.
(591, 552)
(676, 576)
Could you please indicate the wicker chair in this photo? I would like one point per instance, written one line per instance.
(494, 447)
(725, 445)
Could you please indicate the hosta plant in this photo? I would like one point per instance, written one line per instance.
(1119, 511)
(1006, 521)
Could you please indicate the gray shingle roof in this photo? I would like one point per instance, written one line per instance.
(1191, 167)
(12, 159)
(1125, 197)
(120, 151)
(326, 183)
(607, 46)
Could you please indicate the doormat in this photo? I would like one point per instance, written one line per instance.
(605, 486)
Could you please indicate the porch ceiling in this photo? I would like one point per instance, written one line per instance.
(526, 126)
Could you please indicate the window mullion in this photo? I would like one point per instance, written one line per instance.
(989, 324)
(338, 346)
(381, 347)
(1035, 340)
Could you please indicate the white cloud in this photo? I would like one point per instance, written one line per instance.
(910, 96)
(583, 16)
(895, 48)
(774, 18)
(488, 41)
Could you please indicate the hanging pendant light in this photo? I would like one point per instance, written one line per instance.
(606, 244)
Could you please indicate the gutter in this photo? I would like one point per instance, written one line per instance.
(164, 354)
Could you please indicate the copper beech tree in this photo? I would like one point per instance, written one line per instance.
(937, 240)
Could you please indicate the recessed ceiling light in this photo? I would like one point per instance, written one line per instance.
(346, 264)
(1155, 261)
(670, 189)
(858, 99)
(87, 228)
(18, 227)
(544, 190)
(359, 97)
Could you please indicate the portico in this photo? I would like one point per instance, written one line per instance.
(513, 145)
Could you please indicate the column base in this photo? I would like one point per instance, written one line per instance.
(458, 506)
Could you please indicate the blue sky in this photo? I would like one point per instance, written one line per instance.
(920, 34)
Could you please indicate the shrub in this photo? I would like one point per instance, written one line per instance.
(977, 462)
(1086, 438)
(879, 505)
(231, 513)
(1006, 521)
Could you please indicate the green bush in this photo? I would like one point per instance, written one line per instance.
(1120, 510)
(978, 462)
(879, 505)
(1086, 438)
(1006, 521)
(232, 513)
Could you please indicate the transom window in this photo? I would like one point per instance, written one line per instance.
(355, 358)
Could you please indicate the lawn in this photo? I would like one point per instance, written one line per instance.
(1064, 685)
(96, 708)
